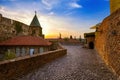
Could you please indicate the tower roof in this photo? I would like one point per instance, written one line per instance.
(35, 21)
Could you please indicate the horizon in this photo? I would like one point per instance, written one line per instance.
(68, 17)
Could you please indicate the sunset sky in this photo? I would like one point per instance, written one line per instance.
(68, 17)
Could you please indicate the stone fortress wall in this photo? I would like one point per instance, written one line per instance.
(10, 28)
(108, 38)
(108, 41)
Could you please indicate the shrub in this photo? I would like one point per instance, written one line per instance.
(66, 39)
(9, 55)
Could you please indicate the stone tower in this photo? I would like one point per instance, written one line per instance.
(114, 5)
(35, 27)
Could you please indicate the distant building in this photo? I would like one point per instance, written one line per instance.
(25, 45)
(27, 41)
(89, 40)
(90, 37)
(71, 37)
(10, 28)
(69, 41)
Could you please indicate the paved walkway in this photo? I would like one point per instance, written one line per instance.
(78, 64)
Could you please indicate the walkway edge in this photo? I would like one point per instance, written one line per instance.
(10, 69)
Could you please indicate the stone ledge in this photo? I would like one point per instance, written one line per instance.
(10, 69)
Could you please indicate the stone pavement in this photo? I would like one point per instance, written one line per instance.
(78, 64)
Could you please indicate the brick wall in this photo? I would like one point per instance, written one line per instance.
(23, 65)
(108, 41)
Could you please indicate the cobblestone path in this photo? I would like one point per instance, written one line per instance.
(78, 64)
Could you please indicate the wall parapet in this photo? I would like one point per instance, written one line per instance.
(10, 69)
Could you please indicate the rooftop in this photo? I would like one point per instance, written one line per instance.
(91, 34)
(25, 41)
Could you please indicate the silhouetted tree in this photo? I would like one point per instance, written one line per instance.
(71, 37)
(66, 39)
(60, 36)
(80, 37)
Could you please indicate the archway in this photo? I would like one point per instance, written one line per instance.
(91, 45)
